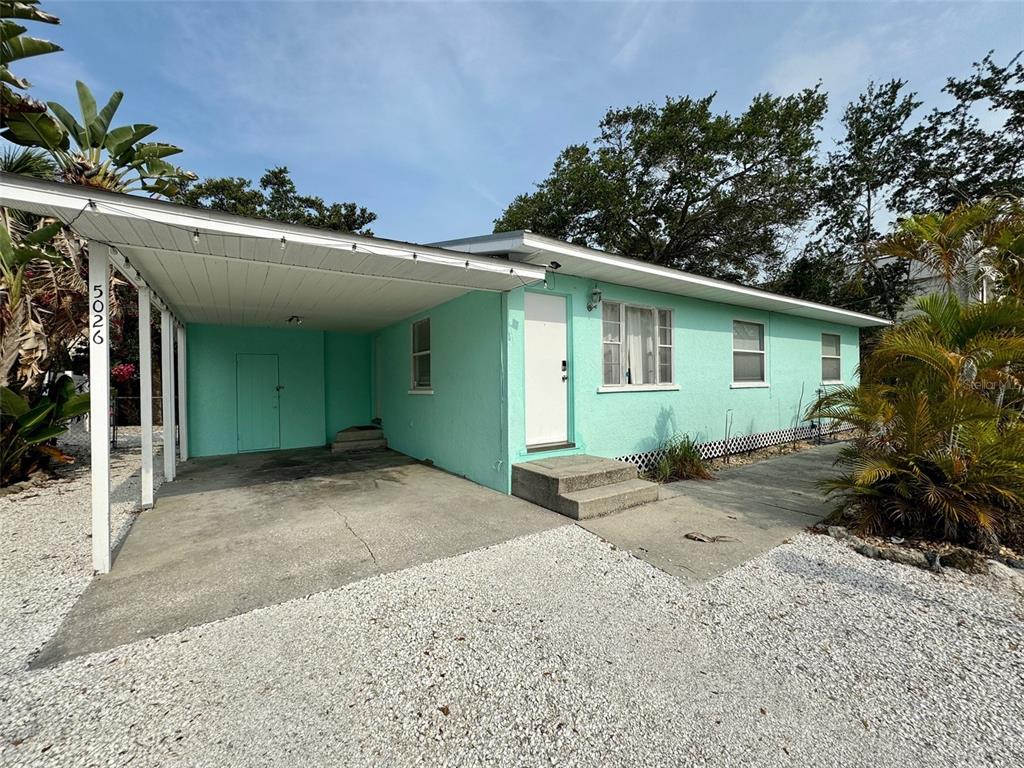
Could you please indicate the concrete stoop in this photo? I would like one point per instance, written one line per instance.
(367, 438)
(581, 487)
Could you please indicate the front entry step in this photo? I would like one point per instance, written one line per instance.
(581, 486)
(605, 499)
(359, 439)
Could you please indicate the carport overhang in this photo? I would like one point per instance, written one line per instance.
(200, 266)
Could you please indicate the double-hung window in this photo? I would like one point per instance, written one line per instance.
(831, 359)
(421, 356)
(636, 345)
(747, 353)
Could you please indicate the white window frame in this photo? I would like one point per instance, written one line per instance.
(622, 385)
(763, 352)
(413, 388)
(838, 357)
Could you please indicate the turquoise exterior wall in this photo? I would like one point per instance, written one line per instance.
(460, 427)
(473, 424)
(626, 422)
(325, 379)
(347, 381)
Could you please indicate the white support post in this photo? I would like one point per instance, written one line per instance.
(167, 383)
(182, 395)
(99, 404)
(146, 396)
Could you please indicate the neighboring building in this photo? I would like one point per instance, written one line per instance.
(973, 286)
(473, 354)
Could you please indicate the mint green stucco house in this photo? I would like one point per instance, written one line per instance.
(601, 355)
(476, 354)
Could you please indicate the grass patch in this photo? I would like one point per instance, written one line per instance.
(682, 461)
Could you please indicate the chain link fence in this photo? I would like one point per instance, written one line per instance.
(127, 412)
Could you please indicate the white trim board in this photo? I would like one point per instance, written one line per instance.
(610, 268)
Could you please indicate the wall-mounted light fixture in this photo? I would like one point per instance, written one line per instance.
(295, 320)
(595, 299)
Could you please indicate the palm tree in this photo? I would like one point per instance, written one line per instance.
(44, 295)
(27, 161)
(1003, 261)
(939, 434)
(951, 349)
(949, 245)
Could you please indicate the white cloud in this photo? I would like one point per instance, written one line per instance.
(406, 81)
(638, 28)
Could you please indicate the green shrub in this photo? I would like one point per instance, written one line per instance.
(29, 430)
(681, 461)
(938, 449)
(904, 477)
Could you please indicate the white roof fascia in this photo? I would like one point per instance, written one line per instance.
(528, 245)
(73, 198)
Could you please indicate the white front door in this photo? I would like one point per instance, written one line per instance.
(547, 375)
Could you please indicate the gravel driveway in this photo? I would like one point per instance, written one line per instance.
(551, 649)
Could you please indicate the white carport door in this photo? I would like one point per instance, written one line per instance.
(547, 409)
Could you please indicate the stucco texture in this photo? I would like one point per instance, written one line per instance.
(325, 380)
(626, 422)
(460, 427)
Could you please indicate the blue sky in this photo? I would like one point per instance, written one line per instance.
(436, 115)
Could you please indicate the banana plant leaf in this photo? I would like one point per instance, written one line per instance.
(62, 389)
(69, 122)
(161, 187)
(23, 47)
(47, 434)
(33, 417)
(33, 129)
(87, 104)
(8, 30)
(154, 150)
(56, 454)
(10, 78)
(11, 403)
(98, 127)
(119, 140)
(43, 235)
(76, 406)
(24, 10)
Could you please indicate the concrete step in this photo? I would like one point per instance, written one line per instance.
(348, 446)
(545, 480)
(605, 499)
(355, 434)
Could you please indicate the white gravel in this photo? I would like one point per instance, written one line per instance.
(553, 649)
(46, 545)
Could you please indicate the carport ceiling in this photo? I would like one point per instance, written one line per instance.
(211, 267)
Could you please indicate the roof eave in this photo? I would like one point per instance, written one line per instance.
(529, 242)
(16, 188)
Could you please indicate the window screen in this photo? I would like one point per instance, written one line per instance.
(748, 352)
(421, 354)
(831, 359)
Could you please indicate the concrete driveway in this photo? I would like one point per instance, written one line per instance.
(754, 507)
(241, 532)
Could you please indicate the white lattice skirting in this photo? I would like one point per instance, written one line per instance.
(648, 460)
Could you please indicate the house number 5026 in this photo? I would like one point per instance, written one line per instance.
(99, 305)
